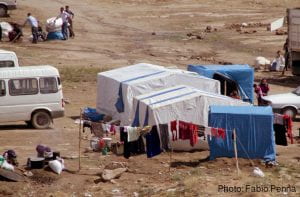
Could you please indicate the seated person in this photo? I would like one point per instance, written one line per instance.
(278, 63)
(234, 94)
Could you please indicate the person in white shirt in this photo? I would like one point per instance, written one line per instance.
(34, 27)
(65, 18)
(278, 63)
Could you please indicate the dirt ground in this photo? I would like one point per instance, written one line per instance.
(111, 34)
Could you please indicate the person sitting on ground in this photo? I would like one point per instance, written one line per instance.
(258, 92)
(278, 63)
(234, 94)
(264, 86)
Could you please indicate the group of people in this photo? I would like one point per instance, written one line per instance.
(67, 27)
(261, 90)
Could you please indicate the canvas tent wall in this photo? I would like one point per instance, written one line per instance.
(254, 129)
(178, 103)
(121, 96)
(243, 75)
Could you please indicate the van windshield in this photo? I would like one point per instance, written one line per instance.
(5, 64)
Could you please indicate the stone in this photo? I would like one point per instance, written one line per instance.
(114, 165)
(28, 173)
(108, 175)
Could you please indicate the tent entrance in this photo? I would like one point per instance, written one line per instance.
(227, 85)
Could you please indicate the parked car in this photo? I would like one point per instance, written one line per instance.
(6, 5)
(288, 103)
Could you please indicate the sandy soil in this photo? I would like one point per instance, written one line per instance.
(118, 33)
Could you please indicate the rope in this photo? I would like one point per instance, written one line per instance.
(252, 163)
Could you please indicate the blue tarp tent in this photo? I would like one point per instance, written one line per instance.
(243, 75)
(254, 130)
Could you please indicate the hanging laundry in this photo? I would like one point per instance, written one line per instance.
(164, 136)
(216, 132)
(207, 132)
(188, 131)
(132, 134)
(174, 130)
(113, 130)
(152, 143)
(96, 129)
(289, 125)
(280, 134)
(136, 147)
(278, 119)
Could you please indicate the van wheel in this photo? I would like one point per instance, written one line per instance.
(3, 11)
(41, 120)
(290, 111)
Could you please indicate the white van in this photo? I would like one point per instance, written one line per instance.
(8, 59)
(32, 94)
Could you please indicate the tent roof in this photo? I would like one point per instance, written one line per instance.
(249, 110)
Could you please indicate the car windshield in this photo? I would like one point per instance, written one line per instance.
(297, 91)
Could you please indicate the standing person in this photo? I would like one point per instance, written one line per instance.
(34, 27)
(70, 20)
(64, 28)
(264, 86)
(258, 92)
(286, 55)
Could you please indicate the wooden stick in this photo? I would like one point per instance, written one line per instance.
(79, 144)
(235, 152)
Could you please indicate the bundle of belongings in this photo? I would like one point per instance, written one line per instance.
(282, 126)
(8, 160)
(53, 27)
(16, 33)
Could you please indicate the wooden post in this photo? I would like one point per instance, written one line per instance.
(79, 144)
(235, 152)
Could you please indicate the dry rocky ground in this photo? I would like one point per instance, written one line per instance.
(113, 33)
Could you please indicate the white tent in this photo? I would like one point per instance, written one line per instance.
(121, 85)
(178, 103)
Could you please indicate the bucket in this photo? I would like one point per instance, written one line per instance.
(107, 141)
(94, 143)
(36, 162)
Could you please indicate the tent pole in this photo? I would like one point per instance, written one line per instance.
(79, 144)
(235, 152)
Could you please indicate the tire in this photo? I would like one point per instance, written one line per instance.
(3, 11)
(41, 120)
(289, 111)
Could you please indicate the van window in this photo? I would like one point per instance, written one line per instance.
(2, 88)
(48, 85)
(23, 86)
(4, 64)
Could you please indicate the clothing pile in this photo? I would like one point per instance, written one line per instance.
(282, 126)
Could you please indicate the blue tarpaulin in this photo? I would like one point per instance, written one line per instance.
(55, 36)
(254, 130)
(242, 74)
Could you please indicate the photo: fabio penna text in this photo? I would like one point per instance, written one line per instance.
(257, 188)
